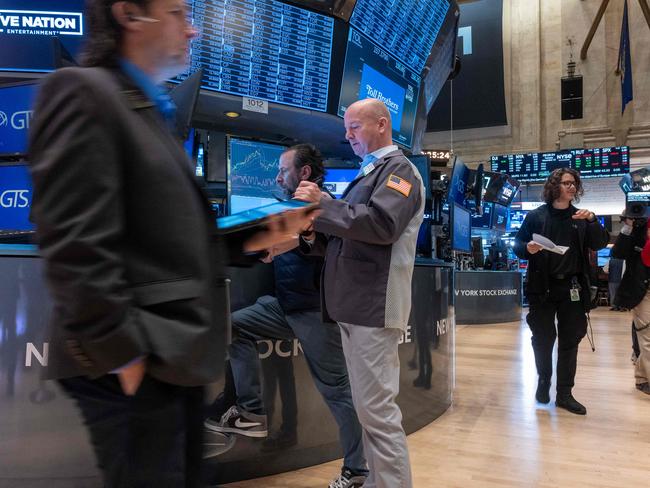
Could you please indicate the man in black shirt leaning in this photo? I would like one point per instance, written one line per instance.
(558, 284)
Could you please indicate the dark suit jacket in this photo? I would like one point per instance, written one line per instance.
(125, 233)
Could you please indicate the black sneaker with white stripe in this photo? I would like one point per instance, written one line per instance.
(347, 479)
(240, 422)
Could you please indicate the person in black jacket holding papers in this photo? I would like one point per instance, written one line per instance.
(558, 284)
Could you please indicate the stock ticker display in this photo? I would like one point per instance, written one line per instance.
(252, 171)
(590, 163)
(405, 28)
(263, 49)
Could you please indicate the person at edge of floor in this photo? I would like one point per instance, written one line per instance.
(369, 238)
(559, 285)
(633, 245)
(615, 268)
(136, 316)
(293, 313)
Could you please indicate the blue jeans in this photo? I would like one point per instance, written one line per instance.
(321, 344)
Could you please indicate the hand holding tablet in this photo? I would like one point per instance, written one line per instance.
(276, 223)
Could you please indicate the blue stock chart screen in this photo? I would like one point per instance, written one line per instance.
(252, 171)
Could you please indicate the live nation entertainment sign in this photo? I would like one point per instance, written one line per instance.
(41, 23)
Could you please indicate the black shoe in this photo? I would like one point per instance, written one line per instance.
(280, 440)
(236, 421)
(644, 387)
(542, 394)
(569, 403)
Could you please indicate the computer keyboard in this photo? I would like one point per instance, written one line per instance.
(16, 236)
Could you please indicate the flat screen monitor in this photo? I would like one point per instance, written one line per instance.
(625, 183)
(461, 232)
(501, 189)
(263, 49)
(16, 102)
(500, 218)
(337, 179)
(424, 243)
(15, 197)
(603, 256)
(34, 34)
(423, 163)
(195, 149)
(483, 221)
(370, 72)
(517, 216)
(406, 30)
(458, 183)
(640, 179)
(590, 163)
(253, 166)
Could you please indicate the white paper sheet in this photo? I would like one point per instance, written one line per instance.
(549, 245)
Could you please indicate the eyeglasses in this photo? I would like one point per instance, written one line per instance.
(568, 184)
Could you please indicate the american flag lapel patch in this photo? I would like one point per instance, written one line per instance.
(399, 184)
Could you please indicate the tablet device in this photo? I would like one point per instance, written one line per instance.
(255, 216)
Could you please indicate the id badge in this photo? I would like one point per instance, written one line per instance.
(575, 294)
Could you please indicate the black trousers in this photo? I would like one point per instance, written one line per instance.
(571, 328)
(152, 439)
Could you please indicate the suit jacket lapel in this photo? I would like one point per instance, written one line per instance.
(139, 103)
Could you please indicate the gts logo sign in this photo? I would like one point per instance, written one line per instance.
(19, 120)
(14, 199)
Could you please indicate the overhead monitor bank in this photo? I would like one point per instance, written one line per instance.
(278, 51)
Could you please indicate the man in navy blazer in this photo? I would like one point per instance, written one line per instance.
(126, 236)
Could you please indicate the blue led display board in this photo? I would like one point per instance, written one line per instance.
(405, 28)
(34, 33)
(370, 72)
(263, 49)
(15, 116)
(15, 197)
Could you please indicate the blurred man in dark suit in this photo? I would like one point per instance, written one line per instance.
(126, 237)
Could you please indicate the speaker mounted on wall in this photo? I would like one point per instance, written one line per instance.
(571, 89)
